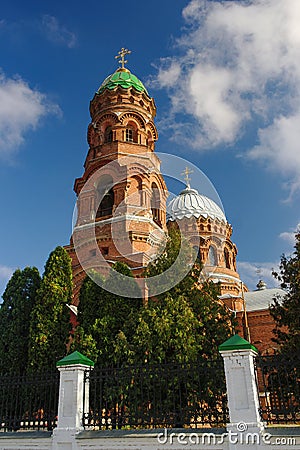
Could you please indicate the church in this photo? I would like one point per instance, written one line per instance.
(123, 212)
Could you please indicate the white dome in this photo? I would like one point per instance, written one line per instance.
(189, 203)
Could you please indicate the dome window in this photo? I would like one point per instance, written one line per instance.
(226, 258)
(212, 256)
(155, 204)
(197, 252)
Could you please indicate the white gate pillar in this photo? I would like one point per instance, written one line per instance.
(245, 425)
(73, 400)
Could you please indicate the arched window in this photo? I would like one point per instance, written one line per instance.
(155, 203)
(131, 134)
(108, 135)
(106, 205)
(135, 193)
(149, 140)
(226, 258)
(212, 256)
(197, 252)
(105, 196)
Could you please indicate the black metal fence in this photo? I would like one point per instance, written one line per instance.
(153, 396)
(29, 402)
(279, 388)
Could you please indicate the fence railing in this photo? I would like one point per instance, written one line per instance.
(29, 402)
(279, 388)
(153, 396)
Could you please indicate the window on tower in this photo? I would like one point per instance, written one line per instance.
(131, 132)
(129, 135)
(149, 140)
(106, 205)
(108, 135)
(105, 196)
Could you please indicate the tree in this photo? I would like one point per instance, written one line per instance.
(212, 320)
(167, 331)
(286, 310)
(104, 316)
(50, 319)
(19, 299)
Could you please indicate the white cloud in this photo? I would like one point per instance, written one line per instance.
(58, 33)
(289, 236)
(239, 66)
(168, 75)
(251, 273)
(21, 109)
(279, 148)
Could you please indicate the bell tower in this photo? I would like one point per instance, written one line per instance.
(121, 194)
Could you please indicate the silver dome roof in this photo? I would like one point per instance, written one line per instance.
(189, 203)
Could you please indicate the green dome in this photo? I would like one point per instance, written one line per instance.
(122, 78)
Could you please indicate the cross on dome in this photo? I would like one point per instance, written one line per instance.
(121, 56)
(186, 173)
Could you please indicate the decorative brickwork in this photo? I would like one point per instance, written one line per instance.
(122, 203)
(121, 138)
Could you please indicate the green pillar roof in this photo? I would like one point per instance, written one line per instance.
(236, 342)
(75, 358)
(123, 78)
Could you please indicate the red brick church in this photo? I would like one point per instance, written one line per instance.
(123, 213)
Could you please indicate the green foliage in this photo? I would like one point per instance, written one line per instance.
(50, 318)
(167, 331)
(171, 268)
(104, 317)
(210, 319)
(286, 311)
(19, 299)
(182, 325)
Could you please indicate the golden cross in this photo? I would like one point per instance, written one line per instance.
(121, 55)
(187, 179)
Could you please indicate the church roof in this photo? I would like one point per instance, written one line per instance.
(189, 203)
(125, 79)
(262, 298)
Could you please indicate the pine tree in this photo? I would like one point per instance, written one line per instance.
(50, 318)
(19, 299)
(286, 310)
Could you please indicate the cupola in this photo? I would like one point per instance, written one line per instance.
(189, 203)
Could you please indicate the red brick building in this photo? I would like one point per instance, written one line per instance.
(122, 205)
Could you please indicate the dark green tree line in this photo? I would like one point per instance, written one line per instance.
(50, 319)
(105, 318)
(19, 299)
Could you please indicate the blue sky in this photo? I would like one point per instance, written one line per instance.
(226, 80)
